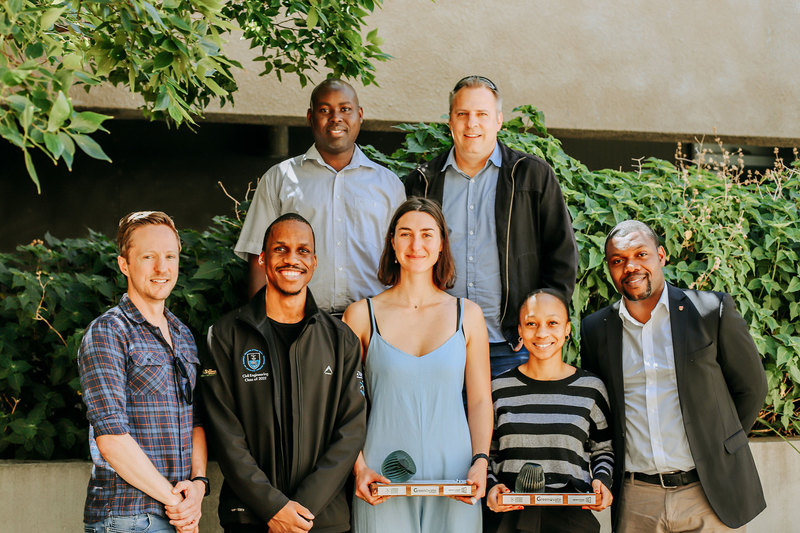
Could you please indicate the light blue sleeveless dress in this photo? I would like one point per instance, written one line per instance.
(416, 406)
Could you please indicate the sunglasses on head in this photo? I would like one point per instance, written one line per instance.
(484, 80)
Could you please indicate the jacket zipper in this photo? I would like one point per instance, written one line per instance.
(508, 240)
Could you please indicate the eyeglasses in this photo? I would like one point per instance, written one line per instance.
(184, 383)
(482, 79)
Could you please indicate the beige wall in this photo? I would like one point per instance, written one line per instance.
(47, 497)
(623, 69)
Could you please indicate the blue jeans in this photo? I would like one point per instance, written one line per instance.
(138, 523)
(502, 357)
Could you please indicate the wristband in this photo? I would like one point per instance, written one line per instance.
(479, 456)
(205, 482)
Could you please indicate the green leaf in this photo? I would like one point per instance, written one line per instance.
(69, 148)
(794, 285)
(32, 171)
(59, 112)
(209, 270)
(34, 50)
(313, 17)
(87, 122)
(163, 59)
(89, 146)
(215, 88)
(50, 16)
(54, 144)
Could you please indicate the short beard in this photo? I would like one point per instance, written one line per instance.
(644, 296)
(289, 293)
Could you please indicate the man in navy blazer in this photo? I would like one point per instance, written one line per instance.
(686, 384)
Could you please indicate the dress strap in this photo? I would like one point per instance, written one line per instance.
(459, 313)
(373, 324)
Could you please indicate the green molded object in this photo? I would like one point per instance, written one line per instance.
(398, 467)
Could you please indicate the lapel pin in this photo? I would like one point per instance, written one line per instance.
(680, 308)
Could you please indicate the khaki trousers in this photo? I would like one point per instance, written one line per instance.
(648, 508)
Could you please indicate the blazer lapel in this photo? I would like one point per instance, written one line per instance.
(679, 325)
(614, 354)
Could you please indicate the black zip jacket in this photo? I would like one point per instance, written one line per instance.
(535, 239)
(241, 389)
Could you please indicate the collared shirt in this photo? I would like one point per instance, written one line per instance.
(130, 385)
(655, 437)
(468, 205)
(349, 210)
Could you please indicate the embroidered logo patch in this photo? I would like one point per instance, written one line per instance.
(253, 360)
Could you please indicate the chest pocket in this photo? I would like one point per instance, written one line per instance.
(149, 373)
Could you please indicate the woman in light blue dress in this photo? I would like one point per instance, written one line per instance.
(421, 346)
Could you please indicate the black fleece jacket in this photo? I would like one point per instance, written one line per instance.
(241, 391)
(535, 240)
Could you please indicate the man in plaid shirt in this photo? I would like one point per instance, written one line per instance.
(137, 365)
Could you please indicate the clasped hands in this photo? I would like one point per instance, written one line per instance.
(185, 513)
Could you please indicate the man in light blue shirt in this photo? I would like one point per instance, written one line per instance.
(347, 198)
(510, 229)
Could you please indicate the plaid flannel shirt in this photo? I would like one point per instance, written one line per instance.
(130, 385)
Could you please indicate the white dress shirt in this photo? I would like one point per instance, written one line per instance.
(655, 435)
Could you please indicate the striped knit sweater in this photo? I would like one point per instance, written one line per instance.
(562, 425)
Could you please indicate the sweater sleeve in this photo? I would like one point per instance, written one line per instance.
(601, 453)
(494, 467)
(227, 436)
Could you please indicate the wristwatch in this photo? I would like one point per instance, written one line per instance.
(479, 456)
(205, 482)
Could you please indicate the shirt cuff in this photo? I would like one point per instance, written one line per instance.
(110, 425)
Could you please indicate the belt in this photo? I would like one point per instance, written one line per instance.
(670, 479)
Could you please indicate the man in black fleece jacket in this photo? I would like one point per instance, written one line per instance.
(284, 399)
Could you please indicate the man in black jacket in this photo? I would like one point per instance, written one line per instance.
(510, 231)
(283, 395)
(686, 384)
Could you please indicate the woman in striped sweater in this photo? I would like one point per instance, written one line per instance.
(551, 413)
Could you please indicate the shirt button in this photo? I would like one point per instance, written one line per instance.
(338, 243)
(340, 269)
(470, 258)
(471, 232)
(472, 206)
(471, 284)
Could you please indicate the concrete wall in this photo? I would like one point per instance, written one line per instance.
(47, 497)
(629, 69)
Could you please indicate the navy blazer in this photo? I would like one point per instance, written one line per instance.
(721, 384)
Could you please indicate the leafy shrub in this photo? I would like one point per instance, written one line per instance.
(722, 231)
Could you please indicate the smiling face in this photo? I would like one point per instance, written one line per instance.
(543, 326)
(335, 119)
(635, 263)
(474, 122)
(151, 264)
(288, 257)
(417, 241)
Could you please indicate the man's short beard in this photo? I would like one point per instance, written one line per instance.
(288, 293)
(644, 296)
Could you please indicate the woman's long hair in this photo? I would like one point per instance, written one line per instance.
(444, 271)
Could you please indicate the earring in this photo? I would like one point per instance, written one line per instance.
(395, 260)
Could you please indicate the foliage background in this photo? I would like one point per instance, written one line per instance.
(170, 53)
(723, 230)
